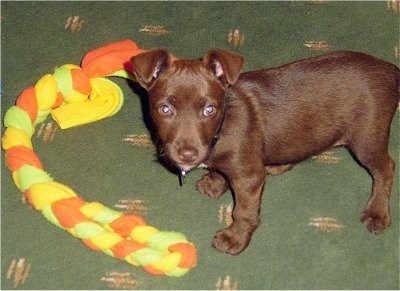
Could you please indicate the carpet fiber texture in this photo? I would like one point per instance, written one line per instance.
(310, 236)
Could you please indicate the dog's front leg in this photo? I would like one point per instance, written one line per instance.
(246, 213)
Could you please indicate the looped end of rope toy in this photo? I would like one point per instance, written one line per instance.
(73, 96)
(85, 95)
(105, 99)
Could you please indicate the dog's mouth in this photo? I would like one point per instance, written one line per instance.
(185, 169)
(186, 158)
(186, 166)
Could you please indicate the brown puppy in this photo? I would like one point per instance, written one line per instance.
(244, 126)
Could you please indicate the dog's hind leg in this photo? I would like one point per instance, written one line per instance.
(374, 156)
(376, 214)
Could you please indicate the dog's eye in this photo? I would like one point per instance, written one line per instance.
(209, 110)
(165, 110)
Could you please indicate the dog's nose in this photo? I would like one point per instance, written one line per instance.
(188, 154)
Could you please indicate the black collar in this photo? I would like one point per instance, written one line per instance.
(217, 134)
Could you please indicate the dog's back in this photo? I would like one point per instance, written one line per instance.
(313, 104)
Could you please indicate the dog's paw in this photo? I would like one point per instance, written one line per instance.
(376, 221)
(212, 185)
(229, 241)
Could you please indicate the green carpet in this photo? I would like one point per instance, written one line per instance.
(310, 236)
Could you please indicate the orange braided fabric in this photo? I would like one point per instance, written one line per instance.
(74, 96)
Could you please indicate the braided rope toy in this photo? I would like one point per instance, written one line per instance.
(76, 95)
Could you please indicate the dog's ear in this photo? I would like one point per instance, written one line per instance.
(225, 65)
(149, 65)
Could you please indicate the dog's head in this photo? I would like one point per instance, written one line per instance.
(187, 100)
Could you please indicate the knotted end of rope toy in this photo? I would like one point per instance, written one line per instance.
(82, 95)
